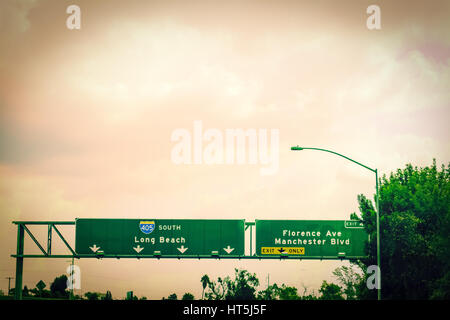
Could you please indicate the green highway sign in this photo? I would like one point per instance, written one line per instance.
(159, 237)
(311, 238)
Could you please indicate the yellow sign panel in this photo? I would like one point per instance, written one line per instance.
(283, 250)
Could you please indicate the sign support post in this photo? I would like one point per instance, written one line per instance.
(19, 262)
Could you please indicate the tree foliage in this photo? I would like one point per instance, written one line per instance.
(330, 291)
(414, 232)
(205, 281)
(173, 296)
(187, 296)
(108, 296)
(242, 287)
(25, 291)
(215, 290)
(58, 287)
(92, 295)
(350, 281)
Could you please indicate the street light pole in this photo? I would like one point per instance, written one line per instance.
(297, 148)
(9, 284)
(378, 239)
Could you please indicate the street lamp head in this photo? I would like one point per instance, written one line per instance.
(296, 148)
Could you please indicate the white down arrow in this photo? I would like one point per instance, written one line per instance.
(228, 249)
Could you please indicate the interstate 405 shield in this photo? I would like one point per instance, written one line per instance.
(311, 238)
(159, 236)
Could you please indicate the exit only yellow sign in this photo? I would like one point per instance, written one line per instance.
(283, 250)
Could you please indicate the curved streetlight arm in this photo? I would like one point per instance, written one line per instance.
(376, 203)
(302, 148)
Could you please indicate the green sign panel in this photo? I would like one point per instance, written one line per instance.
(310, 238)
(159, 237)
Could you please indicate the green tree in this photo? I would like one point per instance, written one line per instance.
(92, 295)
(34, 292)
(414, 227)
(187, 296)
(350, 281)
(173, 296)
(270, 293)
(288, 293)
(58, 287)
(330, 291)
(274, 292)
(306, 296)
(108, 296)
(25, 291)
(216, 289)
(205, 281)
(242, 287)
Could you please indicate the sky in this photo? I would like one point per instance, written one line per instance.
(87, 118)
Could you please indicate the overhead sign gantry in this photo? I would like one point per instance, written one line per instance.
(198, 239)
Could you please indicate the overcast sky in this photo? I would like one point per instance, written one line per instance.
(86, 118)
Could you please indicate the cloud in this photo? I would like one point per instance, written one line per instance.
(14, 15)
(86, 116)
